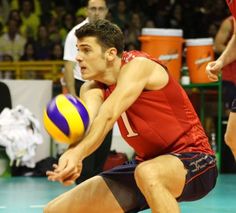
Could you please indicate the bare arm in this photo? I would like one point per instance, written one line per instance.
(222, 36)
(69, 77)
(229, 55)
(70, 165)
(93, 97)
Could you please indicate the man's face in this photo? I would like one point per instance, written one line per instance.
(91, 58)
(97, 9)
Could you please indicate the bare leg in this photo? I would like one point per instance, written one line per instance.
(230, 134)
(161, 180)
(90, 196)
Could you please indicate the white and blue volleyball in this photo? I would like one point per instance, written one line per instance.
(66, 118)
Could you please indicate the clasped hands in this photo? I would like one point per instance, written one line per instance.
(68, 168)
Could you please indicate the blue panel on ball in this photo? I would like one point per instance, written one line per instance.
(56, 117)
(81, 109)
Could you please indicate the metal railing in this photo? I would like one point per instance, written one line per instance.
(42, 69)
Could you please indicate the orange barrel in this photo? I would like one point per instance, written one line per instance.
(165, 45)
(198, 53)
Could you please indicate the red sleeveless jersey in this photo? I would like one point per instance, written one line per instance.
(232, 7)
(161, 121)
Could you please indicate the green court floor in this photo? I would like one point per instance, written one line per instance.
(29, 195)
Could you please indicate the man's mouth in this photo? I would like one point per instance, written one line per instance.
(82, 69)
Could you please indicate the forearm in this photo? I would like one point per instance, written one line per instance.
(69, 77)
(94, 138)
(229, 54)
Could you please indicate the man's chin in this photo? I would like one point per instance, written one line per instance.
(84, 76)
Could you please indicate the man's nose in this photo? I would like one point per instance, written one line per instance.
(78, 58)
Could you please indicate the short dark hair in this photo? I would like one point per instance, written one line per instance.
(108, 34)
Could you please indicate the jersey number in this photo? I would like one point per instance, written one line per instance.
(131, 133)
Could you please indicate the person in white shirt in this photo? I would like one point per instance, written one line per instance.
(96, 9)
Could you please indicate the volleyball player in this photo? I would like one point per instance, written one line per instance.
(213, 69)
(174, 159)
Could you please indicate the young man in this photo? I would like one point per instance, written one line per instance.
(174, 160)
(96, 9)
(213, 69)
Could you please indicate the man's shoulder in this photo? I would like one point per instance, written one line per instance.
(129, 55)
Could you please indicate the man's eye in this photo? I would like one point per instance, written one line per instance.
(86, 50)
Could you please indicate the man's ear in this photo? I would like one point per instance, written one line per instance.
(111, 53)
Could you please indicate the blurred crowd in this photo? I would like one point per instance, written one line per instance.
(36, 29)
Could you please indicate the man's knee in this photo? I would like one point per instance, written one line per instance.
(146, 177)
(162, 173)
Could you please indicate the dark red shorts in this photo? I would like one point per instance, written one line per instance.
(200, 180)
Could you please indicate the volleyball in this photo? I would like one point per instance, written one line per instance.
(66, 118)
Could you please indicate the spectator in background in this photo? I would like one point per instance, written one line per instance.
(4, 11)
(29, 55)
(58, 11)
(149, 23)
(53, 27)
(96, 9)
(30, 20)
(43, 47)
(162, 11)
(133, 31)
(15, 4)
(46, 7)
(148, 7)
(57, 52)
(68, 22)
(176, 17)
(121, 15)
(11, 42)
(29, 52)
(15, 14)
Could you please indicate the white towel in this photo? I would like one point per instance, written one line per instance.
(20, 134)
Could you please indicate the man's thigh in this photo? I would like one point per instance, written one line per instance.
(92, 196)
(167, 170)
